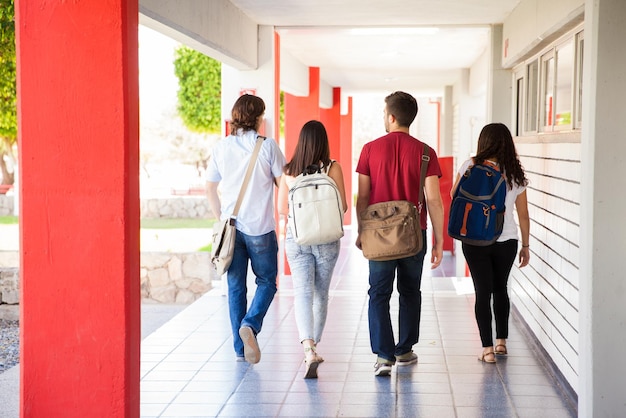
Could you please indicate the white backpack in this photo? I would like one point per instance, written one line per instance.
(315, 209)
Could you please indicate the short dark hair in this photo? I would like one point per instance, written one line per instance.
(402, 106)
(312, 148)
(246, 112)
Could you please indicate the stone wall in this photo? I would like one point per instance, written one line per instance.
(9, 285)
(165, 277)
(189, 207)
(176, 277)
(6, 205)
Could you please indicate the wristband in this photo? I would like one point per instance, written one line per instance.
(525, 246)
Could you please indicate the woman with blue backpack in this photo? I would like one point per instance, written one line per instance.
(490, 262)
(312, 195)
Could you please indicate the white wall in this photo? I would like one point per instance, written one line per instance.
(546, 292)
(534, 24)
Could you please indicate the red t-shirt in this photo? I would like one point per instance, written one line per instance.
(393, 164)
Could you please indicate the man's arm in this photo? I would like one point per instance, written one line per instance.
(362, 201)
(214, 199)
(434, 205)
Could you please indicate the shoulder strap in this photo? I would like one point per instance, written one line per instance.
(423, 168)
(246, 179)
(327, 168)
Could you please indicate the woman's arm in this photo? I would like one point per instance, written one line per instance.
(336, 173)
(521, 205)
(456, 183)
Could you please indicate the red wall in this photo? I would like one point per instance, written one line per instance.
(79, 208)
(300, 110)
(346, 159)
(445, 185)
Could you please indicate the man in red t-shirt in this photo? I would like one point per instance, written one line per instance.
(389, 169)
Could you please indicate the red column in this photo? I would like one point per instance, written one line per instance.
(79, 209)
(300, 110)
(346, 159)
(340, 138)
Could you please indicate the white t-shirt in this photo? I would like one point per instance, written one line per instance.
(510, 229)
(228, 165)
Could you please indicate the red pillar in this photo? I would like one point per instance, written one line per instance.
(300, 110)
(346, 159)
(340, 144)
(79, 209)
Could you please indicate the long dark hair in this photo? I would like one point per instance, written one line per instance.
(246, 113)
(495, 141)
(312, 148)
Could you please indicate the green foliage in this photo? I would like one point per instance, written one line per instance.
(9, 220)
(8, 103)
(200, 90)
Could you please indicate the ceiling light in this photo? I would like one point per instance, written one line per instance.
(394, 31)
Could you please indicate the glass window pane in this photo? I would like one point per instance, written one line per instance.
(531, 97)
(579, 100)
(520, 106)
(548, 92)
(564, 83)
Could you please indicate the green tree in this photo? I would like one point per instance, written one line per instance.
(8, 101)
(199, 90)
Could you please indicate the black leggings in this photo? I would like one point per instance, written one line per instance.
(490, 267)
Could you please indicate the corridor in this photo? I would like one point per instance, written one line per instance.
(188, 366)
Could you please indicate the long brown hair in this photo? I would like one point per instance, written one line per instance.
(246, 113)
(495, 141)
(312, 148)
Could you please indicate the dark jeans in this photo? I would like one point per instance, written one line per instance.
(262, 251)
(490, 267)
(382, 275)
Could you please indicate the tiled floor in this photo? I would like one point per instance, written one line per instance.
(189, 369)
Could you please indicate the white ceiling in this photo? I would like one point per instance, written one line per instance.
(382, 45)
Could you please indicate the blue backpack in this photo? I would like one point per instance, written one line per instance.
(477, 208)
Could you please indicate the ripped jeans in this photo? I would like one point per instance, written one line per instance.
(311, 272)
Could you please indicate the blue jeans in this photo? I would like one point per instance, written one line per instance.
(382, 275)
(262, 251)
(311, 272)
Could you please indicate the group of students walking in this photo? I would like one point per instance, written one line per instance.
(388, 169)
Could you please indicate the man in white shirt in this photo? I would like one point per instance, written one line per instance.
(256, 225)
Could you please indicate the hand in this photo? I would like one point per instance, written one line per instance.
(524, 256)
(436, 257)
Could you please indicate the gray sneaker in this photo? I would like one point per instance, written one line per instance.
(382, 369)
(406, 359)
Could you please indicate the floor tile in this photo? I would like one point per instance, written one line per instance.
(189, 369)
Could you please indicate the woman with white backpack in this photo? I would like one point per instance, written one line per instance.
(311, 265)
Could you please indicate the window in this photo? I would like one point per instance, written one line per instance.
(532, 74)
(547, 91)
(548, 88)
(580, 39)
(519, 119)
(564, 84)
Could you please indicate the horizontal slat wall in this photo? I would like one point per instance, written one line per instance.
(546, 292)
